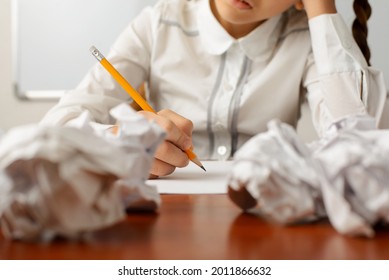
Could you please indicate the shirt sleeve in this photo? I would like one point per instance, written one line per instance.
(338, 80)
(98, 92)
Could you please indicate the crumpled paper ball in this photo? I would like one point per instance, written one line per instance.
(354, 165)
(342, 176)
(273, 175)
(65, 181)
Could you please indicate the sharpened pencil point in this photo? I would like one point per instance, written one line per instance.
(197, 162)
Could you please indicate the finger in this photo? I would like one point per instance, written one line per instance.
(171, 154)
(181, 122)
(173, 133)
(161, 168)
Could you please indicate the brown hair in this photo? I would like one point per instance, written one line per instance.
(362, 11)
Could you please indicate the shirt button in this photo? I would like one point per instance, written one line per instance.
(222, 150)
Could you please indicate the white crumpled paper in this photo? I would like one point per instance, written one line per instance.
(69, 180)
(343, 176)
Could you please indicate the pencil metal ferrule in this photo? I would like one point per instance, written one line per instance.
(96, 53)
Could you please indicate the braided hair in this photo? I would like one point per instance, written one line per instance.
(362, 11)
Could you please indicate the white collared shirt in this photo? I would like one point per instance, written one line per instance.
(230, 88)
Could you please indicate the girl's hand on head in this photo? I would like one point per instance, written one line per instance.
(170, 154)
(316, 7)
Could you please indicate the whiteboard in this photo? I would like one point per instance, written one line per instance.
(52, 38)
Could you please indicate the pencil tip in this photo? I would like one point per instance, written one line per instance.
(202, 167)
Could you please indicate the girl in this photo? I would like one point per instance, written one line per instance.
(224, 68)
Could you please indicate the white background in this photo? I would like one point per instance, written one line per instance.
(108, 269)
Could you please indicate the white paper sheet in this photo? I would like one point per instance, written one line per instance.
(193, 180)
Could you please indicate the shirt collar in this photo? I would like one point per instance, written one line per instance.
(258, 42)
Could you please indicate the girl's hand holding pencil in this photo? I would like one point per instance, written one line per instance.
(178, 129)
(176, 150)
(170, 154)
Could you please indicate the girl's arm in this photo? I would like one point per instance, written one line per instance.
(339, 80)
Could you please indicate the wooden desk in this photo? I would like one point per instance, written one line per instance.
(204, 227)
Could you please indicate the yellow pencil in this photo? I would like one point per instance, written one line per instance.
(134, 94)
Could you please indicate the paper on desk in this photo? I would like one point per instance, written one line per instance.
(343, 175)
(69, 180)
(276, 169)
(193, 180)
(355, 183)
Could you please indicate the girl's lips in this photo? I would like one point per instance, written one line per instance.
(241, 4)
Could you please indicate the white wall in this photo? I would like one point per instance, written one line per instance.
(15, 112)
